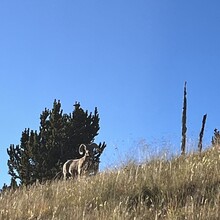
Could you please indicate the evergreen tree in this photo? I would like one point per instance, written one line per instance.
(20, 166)
(41, 155)
(14, 161)
(216, 138)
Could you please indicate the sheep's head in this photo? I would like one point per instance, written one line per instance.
(83, 150)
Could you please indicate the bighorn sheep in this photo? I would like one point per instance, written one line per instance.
(88, 164)
(75, 167)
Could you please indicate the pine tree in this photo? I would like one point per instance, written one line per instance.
(14, 161)
(41, 155)
(216, 138)
(20, 166)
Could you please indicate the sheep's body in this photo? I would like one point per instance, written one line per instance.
(74, 168)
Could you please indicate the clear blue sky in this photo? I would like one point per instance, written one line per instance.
(128, 58)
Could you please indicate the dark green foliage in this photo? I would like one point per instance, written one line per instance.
(216, 138)
(41, 155)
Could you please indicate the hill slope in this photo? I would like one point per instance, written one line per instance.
(181, 188)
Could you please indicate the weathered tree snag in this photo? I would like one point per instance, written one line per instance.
(184, 128)
(202, 132)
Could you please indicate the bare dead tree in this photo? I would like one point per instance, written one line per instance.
(201, 133)
(184, 128)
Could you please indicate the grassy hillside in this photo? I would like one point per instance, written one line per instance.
(181, 188)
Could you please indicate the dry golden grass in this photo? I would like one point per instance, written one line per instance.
(180, 188)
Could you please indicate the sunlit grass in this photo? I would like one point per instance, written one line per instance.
(179, 188)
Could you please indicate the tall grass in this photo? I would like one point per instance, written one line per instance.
(186, 187)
